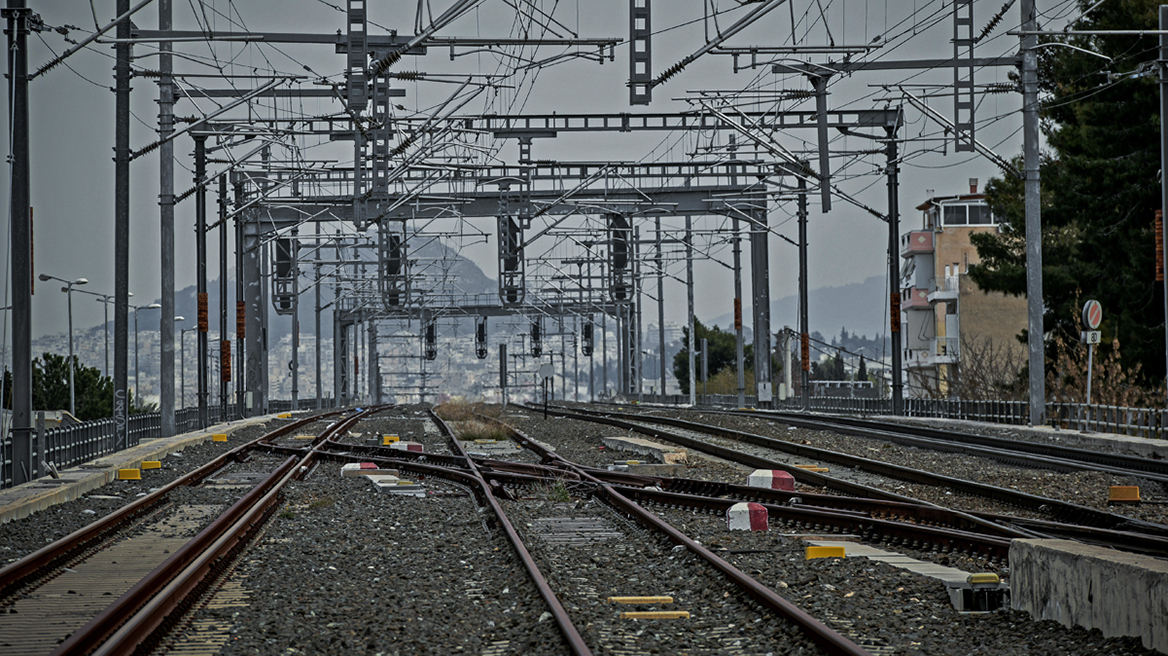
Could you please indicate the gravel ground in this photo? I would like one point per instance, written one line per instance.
(886, 609)
(344, 570)
(634, 562)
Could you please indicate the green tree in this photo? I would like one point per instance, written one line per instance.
(1099, 189)
(722, 345)
(830, 369)
(93, 393)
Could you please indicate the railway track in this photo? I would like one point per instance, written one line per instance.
(1064, 519)
(117, 584)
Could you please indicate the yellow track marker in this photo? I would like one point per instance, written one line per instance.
(825, 552)
(219, 437)
(386, 440)
(640, 600)
(656, 615)
(129, 474)
(304, 437)
(284, 415)
(983, 578)
(1124, 494)
(151, 464)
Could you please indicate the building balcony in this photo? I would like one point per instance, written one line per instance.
(946, 350)
(947, 290)
(914, 298)
(917, 241)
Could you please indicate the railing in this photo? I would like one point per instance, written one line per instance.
(1136, 422)
(69, 446)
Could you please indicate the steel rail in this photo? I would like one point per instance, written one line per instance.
(1057, 507)
(150, 607)
(992, 546)
(571, 634)
(1064, 456)
(830, 640)
(21, 572)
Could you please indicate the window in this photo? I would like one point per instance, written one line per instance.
(954, 214)
(980, 215)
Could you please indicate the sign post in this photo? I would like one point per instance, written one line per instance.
(546, 371)
(1092, 316)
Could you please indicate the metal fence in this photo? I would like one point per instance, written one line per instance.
(69, 446)
(1136, 422)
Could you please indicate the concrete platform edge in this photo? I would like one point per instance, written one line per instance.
(23, 500)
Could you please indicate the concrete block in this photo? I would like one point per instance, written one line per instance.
(364, 469)
(771, 479)
(407, 446)
(395, 485)
(746, 517)
(130, 474)
(834, 551)
(151, 464)
(665, 453)
(1121, 594)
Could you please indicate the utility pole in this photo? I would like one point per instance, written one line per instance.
(894, 270)
(689, 284)
(804, 331)
(1164, 151)
(166, 223)
(316, 290)
(121, 226)
(660, 311)
(1037, 356)
(295, 364)
(739, 339)
(201, 273)
(21, 242)
(224, 341)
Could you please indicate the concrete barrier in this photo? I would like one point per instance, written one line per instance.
(1119, 593)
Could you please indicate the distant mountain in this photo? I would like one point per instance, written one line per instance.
(861, 308)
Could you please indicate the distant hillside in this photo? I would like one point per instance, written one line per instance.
(861, 308)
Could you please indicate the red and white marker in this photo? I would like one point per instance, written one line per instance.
(771, 479)
(407, 446)
(746, 517)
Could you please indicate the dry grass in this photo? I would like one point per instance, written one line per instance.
(460, 409)
(477, 429)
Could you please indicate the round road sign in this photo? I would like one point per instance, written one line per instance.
(1092, 314)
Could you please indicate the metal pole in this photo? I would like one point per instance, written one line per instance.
(660, 311)
(689, 284)
(295, 321)
(72, 398)
(121, 225)
(223, 339)
(1030, 136)
(804, 330)
(201, 274)
(894, 271)
(21, 244)
(166, 224)
(1090, 370)
(105, 303)
(136, 398)
(316, 270)
(1164, 157)
(182, 356)
(739, 338)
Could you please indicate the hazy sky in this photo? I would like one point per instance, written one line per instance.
(72, 122)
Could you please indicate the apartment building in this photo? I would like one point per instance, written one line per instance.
(943, 312)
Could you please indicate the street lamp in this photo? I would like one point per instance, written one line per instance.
(152, 306)
(182, 357)
(68, 289)
(104, 299)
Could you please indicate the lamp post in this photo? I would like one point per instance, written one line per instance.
(152, 306)
(104, 299)
(68, 289)
(182, 359)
